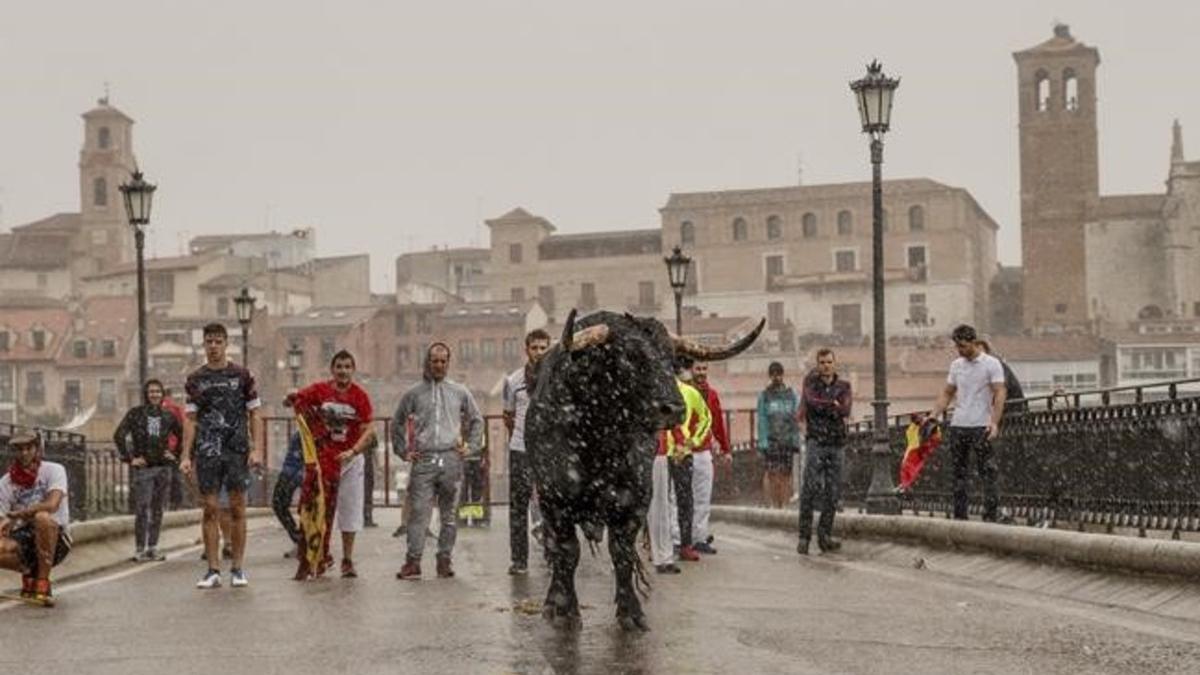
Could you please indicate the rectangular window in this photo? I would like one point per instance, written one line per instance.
(466, 351)
(222, 306)
(645, 294)
(1087, 380)
(587, 295)
(106, 401)
(918, 266)
(509, 349)
(424, 325)
(1196, 309)
(487, 350)
(35, 388)
(328, 347)
(402, 357)
(401, 326)
(160, 287)
(42, 280)
(3, 341)
(514, 253)
(516, 294)
(845, 261)
(546, 297)
(847, 320)
(108, 349)
(79, 349)
(39, 340)
(774, 267)
(72, 397)
(6, 385)
(918, 312)
(775, 319)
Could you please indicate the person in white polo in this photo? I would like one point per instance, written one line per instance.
(976, 385)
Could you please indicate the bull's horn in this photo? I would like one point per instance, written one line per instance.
(589, 337)
(702, 353)
(568, 334)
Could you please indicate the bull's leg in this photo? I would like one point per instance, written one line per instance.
(561, 601)
(622, 540)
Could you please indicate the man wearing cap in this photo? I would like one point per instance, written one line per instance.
(34, 516)
(976, 384)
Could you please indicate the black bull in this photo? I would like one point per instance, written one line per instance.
(601, 395)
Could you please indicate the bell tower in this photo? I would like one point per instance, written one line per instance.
(106, 161)
(1060, 179)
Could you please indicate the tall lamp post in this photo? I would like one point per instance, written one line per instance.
(139, 195)
(874, 96)
(295, 360)
(677, 272)
(244, 304)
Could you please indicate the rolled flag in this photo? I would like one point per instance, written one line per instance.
(922, 439)
(312, 498)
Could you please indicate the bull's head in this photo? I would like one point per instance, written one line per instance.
(639, 355)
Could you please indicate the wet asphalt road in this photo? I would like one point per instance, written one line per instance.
(753, 608)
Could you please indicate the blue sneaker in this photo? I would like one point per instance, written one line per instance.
(237, 579)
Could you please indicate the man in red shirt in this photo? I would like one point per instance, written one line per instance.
(715, 447)
(338, 413)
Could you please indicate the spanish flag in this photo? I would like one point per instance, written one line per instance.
(922, 439)
(312, 498)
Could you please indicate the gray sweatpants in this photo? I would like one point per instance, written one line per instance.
(440, 475)
(151, 489)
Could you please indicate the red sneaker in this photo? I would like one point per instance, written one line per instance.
(689, 554)
(42, 594)
(410, 571)
(27, 585)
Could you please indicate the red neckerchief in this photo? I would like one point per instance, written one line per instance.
(22, 477)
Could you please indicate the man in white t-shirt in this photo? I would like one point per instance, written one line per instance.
(520, 474)
(34, 516)
(976, 384)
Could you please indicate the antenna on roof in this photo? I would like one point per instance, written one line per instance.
(799, 168)
(104, 101)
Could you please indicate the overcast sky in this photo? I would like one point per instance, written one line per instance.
(395, 126)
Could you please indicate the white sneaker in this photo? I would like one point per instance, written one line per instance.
(237, 579)
(211, 579)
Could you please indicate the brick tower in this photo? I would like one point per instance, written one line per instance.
(1056, 87)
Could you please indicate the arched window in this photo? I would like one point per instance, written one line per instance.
(739, 229)
(100, 192)
(809, 224)
(687, 233)
(916, 219)
(1041, 89)
(774, 227)
(105, 138)
(845, 224)
(1070, 91)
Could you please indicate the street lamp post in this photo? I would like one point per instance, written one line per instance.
(295, 360)
(874, 94)
(244, 304)
(139, 195)
(677, 273)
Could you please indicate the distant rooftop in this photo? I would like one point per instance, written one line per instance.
(600, 244)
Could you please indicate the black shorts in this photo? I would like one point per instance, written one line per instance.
(778, 458)
(230, 470)
(27, 546)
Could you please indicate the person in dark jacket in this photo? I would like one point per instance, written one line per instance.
(291, 475)
(1014, 395)
(824, 409)
(143, 440)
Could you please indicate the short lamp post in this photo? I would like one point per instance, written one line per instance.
(874, 94)
(139, 195)
(244, 304)
(677, 273)
(295, 361)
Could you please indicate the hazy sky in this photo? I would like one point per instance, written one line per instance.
(394, 126)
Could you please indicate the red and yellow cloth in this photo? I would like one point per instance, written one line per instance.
(922, 439)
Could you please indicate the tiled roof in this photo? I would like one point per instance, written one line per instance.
(479, 310)
(20, 322)
(1056, 348)
(104, 318)
(328, 317)
(795, 193)
(182, 262)
(1132, 338)
(59, 222)
(35, 250)
(1130, 206)
(1061, 42)
(715, 325)
(600, 244)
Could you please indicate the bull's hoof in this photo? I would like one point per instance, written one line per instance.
(634, 624)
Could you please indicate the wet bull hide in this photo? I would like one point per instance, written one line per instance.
(601, 395)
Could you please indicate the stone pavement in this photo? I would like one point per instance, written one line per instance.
(754, 607)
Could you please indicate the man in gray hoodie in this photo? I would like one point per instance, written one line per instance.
(439, 408)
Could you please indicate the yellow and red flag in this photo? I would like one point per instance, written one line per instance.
(921, 440)
(312, 498)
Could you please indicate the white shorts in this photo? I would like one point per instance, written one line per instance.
(350, 496)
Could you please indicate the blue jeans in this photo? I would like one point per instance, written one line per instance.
(822, 482)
